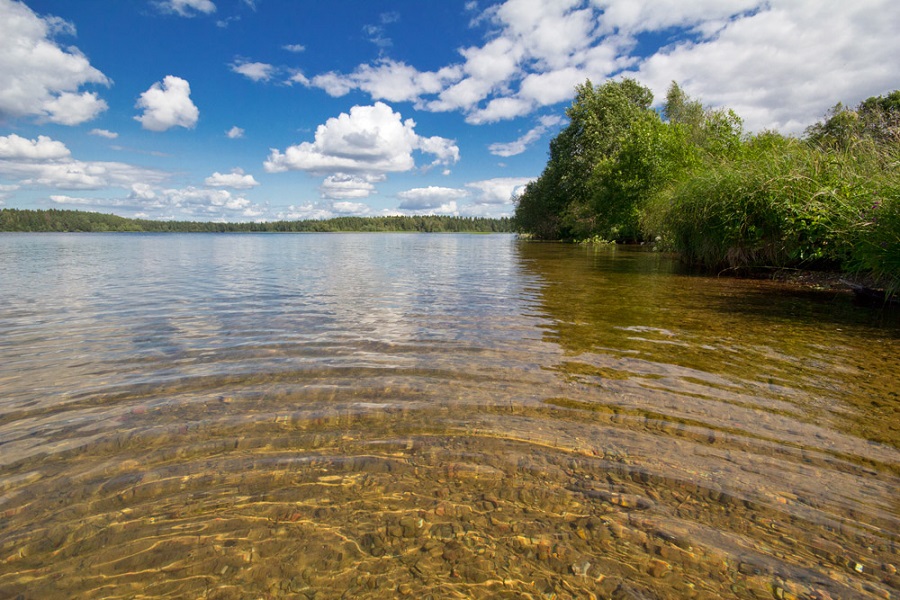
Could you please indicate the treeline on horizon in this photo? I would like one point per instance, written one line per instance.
(55, 220)
(690, 180)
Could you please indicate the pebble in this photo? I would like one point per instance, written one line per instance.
(581, 569)
(659, 568)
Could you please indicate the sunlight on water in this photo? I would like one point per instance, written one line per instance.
(379, 416)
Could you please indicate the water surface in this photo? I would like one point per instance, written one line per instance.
(378, 415)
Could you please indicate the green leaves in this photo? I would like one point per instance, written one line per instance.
(697, 185)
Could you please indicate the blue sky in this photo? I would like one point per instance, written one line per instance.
(243, 110)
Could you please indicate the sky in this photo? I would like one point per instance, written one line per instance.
(262, 110)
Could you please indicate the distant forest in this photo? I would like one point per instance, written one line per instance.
(12, 219)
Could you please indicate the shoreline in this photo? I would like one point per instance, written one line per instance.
(865, 290)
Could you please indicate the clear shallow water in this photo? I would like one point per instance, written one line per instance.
(298, 416)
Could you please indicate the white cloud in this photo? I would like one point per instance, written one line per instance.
(48, 163)
(257, 71)
(235, 179)
(448, 209)
(168, 104)
(307, 211)
(520, 145)
(294, 47)
(235, 133)
(368, 140)
(76, 174)
(430, 198)
(325, 210)
(636, 17)
(198, 201)
(72, 109)
(145, 201)
(87, 202)
(341, 186)
(815, 54)
(445, 151)
(41, 79)
(142, 191)
(500, 109)
(551, 87)
(334, 84)
(500, 190)
(14, 147)
(387, 80)
(350, 208)
(297, 76)
(110, 135)
(188, 8)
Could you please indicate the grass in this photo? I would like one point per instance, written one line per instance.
(784, 203)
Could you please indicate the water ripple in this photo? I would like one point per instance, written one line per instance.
(437, 416)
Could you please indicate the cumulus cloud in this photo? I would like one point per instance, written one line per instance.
(323, 210)
(814, 55)
(40, 78)
(387, 80)
(485, 198)
(333, 83)
(500, 190)
(168, 104)
(350, 208)
(110, 135)
(536, 52)
(520, 145)
(87, 202)
(306, 211)
(257, 71)
(235, 133)
(198, 201)
(45, 162)
(341, 186)
(296, 48)
(236, 179)
(367, 140)
(76, 174)
(430, 198)
(187, 8)
(190, 202)
(14, 147)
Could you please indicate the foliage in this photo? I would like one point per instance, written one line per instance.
(831, 201)
(690, 179)
(71, 220)
(875, 122)
(569, 200)
(779, 203)
(876, 240)
(615, 155)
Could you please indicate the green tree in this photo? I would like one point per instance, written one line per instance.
(570, 199)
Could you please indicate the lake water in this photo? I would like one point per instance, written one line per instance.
(443, 416)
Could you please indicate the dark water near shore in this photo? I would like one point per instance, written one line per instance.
(445, 416)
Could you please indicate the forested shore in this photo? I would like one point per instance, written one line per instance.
(54, 220)
(690, 180)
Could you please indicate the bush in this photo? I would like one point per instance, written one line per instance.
(876, 251)
(781, 203)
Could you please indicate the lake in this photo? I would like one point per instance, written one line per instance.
(435, 416)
